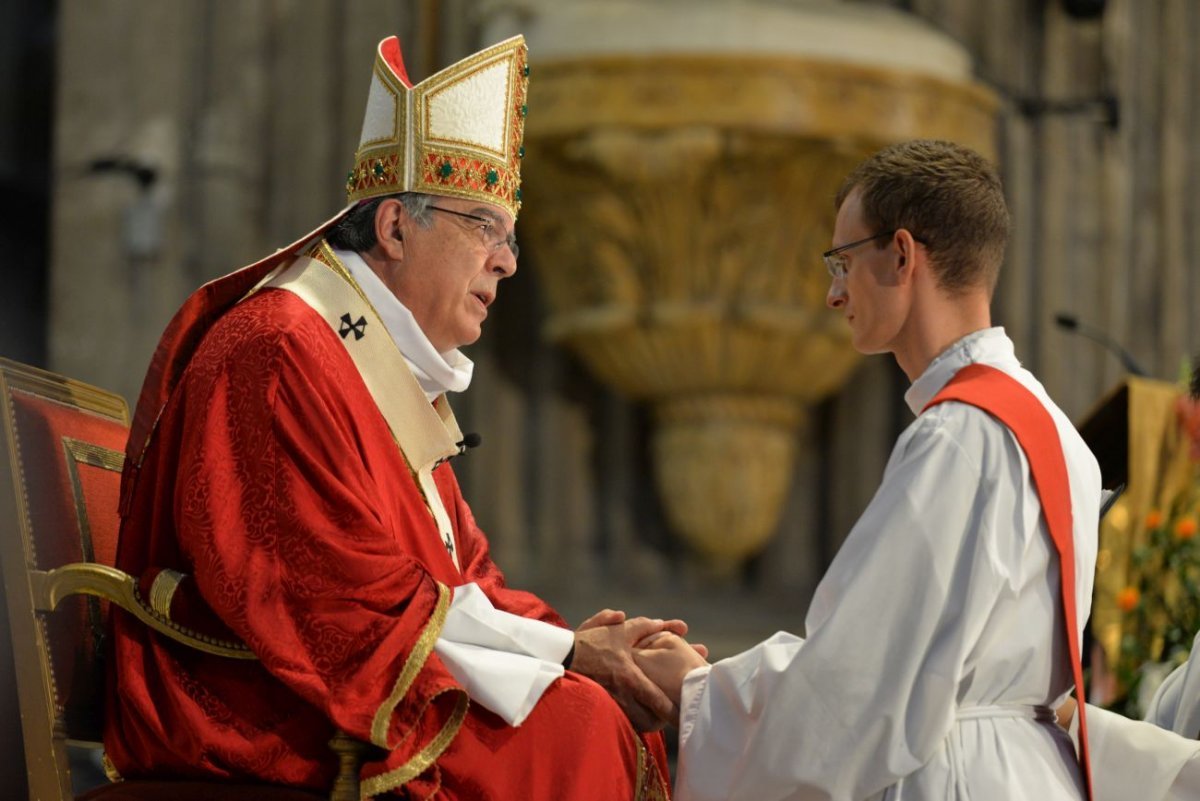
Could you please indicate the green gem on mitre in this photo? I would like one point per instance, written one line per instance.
(521, 152)
(517, 195)
(492, 177)
(378, 169)
(525, 70)
(524, 109)
(446, 169)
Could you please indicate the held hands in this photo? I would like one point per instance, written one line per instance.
(604, 651)
(666, 659)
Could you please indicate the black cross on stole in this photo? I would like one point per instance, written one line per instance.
(359, 327)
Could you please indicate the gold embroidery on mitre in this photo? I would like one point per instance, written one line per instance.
(396, 88)
(459, 132)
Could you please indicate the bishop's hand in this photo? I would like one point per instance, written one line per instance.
(604, 652)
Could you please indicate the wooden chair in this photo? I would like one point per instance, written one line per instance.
(60, 470)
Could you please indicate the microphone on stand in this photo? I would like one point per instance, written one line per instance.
(1068, 322)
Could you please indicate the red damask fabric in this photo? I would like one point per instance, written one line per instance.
(274, 482)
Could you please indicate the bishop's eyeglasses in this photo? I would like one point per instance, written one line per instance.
(493, 235)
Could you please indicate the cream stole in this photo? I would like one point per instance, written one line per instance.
(426, 434)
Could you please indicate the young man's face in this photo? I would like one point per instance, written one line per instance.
(868, 295)
(449, 275)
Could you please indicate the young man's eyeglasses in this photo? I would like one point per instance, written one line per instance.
(836, 261)
(493, 235)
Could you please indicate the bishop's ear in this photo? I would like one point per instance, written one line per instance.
(390, 218)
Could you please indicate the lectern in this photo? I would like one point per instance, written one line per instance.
(1134, 433)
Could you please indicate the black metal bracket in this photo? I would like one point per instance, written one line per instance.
(1106, 108)
(144, 174)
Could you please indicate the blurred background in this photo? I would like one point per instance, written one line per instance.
(671, 422)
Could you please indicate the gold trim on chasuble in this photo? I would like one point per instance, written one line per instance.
(380, 725)
(425, 436)
(650, 785)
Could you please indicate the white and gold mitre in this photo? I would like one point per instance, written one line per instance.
(458, 132)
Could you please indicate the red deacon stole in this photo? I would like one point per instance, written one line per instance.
(1006, 399)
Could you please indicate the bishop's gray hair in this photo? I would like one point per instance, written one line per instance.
(356, 231)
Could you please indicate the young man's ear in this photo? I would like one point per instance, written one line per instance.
(907, 250)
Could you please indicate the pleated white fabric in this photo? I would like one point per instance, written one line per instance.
(1176, 703)
(935, 641)
(1137, 760)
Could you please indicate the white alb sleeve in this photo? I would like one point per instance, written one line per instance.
(504, 661)
(1133, 759)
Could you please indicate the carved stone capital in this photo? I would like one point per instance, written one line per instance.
(678, 206)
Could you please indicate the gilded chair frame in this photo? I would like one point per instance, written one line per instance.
(32, 593)
(29, 592)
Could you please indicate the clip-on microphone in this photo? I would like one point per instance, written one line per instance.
(469, 440)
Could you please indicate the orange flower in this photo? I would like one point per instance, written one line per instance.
(1185, 529)
(1127, 599)
(1154, 519)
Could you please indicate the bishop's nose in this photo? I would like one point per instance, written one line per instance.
(503, 262)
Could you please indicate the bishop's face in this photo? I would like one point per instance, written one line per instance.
(451, 269)
(867, 295)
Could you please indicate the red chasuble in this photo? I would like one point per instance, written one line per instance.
(273, 481)
(1003, 397)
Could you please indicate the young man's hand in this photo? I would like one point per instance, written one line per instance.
(666, 659)
(604, 653)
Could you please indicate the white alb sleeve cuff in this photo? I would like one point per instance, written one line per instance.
(504, 661)
(689, 700)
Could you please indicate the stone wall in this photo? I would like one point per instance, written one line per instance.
(248, 114)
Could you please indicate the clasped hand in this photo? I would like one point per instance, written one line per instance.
(640, 661)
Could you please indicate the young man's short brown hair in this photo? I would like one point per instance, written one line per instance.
(947, 196)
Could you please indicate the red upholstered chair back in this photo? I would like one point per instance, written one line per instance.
(62, 446)
(61, 450)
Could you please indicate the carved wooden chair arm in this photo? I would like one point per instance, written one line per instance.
(90, 578)
(117, 586)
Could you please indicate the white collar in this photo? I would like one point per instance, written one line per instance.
(437, 373)
(989, 345)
